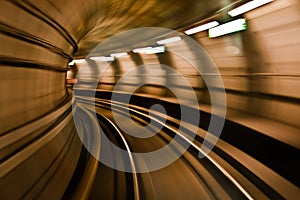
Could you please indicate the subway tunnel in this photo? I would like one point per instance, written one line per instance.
(111, 99)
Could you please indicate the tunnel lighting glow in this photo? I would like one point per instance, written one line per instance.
(103, 58)
(247, 7)
(230, 27)
(118, 55)
(72, 63)
(79, 61)
(202, 28)
(141, 50)
(150, 50)
(160, 49)
(169, 40)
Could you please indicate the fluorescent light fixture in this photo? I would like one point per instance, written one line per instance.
(160, 49)
(72, 63)
(230, 27)
(202, 28)
(247, 7)
(150, 50)
(103, 58)
(79, 61)
(118, 55)
(141, 50)
(169, 40)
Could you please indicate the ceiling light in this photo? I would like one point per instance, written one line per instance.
(141, 50)
(118, 55)
(230, 27)
(150, 50)
(169, 40)
(79, 61)
(160, 49)
(103, 58)
(72, 62)
(247, 7)
(202, 28)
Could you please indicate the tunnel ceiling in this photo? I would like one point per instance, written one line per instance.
(101, 19)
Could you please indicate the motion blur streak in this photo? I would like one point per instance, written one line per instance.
(45, 50)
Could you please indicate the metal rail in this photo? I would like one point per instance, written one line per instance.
(132, 163)
(83, 189)
(213, 161)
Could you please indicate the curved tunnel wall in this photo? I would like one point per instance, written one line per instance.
(259, 66)
(35, 52)
(38, 141)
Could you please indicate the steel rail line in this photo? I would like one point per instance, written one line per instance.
(215, 163)
(132, 163)
(85, 185)
(249, 170)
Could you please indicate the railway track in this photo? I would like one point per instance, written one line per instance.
(188, 177)
(242, 151)
(245, 177)
(62, 161)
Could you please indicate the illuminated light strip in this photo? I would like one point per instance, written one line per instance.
(72, 63)
(118, 55)
(169, 40)
(230, 27)
(247, 7)
(202, 28)
(150, 50)
(79, 61)
(154, 50)
(141, 50)
(103, 58)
